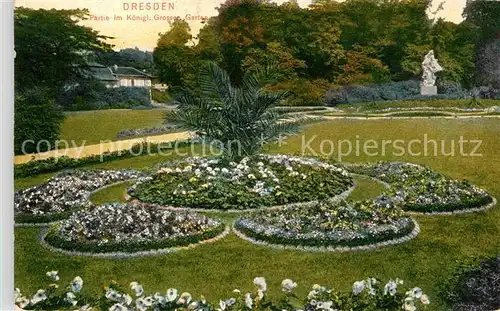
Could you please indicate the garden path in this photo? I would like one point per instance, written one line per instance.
(85, 151)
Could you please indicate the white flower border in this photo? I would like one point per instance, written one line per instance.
(122, 255)
(87, 197)
(412, 213)
(332, 249)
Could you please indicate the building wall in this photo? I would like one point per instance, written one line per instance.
(135, 81)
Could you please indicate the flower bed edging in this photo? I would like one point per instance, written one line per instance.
(406, 238)
(119, 255)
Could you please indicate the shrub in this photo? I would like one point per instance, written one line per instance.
(92, 95)
(36, 118)
(405, 90)
(476, 289)
(451, 88)
(161, 97)
(302, 92)
(371, 93)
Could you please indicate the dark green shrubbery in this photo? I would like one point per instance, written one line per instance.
(476, 289)
(352, 94)
(92, 95)
(405, 90)
(36, 119)
(161, 97)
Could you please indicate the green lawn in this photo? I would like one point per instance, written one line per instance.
(214, 270)
(94, 126)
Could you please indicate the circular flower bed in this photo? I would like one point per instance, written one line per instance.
(261, 181)
(424, 190)
(130, 228)
(329, 226)
(63, 194)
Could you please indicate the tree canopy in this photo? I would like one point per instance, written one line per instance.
(349, 42)
(51, 47)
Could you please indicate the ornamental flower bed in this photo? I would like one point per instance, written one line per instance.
(130, 228)
(328, 225)
(128, 133)
(260, 181)
(424, 190)
(369, 294)
(64, 193)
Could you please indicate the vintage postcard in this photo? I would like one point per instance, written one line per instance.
(230, 155)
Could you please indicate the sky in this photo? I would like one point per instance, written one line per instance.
(133, 31)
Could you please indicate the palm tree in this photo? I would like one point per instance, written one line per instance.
(237, 119)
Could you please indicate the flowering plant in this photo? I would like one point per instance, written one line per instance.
(64, 193)
(265, 180)
(366, 295)
(328, 224)
(424, 190)
(53, 297)
(131, 227)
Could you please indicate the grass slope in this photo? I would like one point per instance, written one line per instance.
(215, 270)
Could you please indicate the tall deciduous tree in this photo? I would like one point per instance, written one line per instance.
(176, 62)
(51, 46)
(485, 17)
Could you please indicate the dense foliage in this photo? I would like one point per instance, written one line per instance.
(162, 97)
(249, 184)
(366, 295)
(130, 228)
(484, 15)
(330, 43)
(477, 289)
(49, 45)
(37, 122)
(328, 225)
(130, 57)
(91, 94)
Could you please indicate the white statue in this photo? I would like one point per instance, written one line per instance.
(430, 66)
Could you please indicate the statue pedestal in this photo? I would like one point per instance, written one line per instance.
(428, 90)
